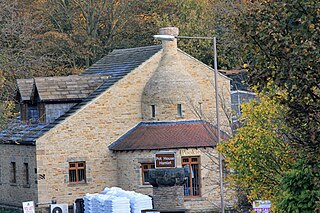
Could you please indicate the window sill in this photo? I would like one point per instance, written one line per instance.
(193, 199)
(179, 117)
(77, 184)
(13, 184)
(26, 185)
(146, 186)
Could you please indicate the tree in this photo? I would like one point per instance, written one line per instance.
(87, 27)
(259, 153)
(194, 18)
(299, 193)
(282, 40)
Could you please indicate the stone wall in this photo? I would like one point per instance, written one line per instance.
(15, 193)
(168, 197)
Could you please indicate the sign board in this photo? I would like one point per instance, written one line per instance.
(165, 160)
(262, 206)
(28, 207)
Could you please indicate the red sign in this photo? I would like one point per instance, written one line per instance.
(165, 160)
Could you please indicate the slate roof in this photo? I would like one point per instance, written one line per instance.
(238, 79)
(120, 61)
(21, 133)
(71, 87)
(168, 135)
(116, 65)
(25, 87)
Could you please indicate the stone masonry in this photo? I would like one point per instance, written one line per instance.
(19, 191)
(168, 197)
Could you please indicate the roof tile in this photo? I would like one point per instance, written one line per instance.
(168, 135)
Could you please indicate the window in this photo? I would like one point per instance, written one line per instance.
(33, 113)
(145, 167)
(77, 172)
(192, 185)
(26, 173)
(13, 178)
(42, 112)
(153, 111)
(179, 110)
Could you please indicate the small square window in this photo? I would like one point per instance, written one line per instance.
(77, 172)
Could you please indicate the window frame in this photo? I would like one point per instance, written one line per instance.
(143, 170)
(77, 168)
(190, 163)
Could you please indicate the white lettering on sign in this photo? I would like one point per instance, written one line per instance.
(165, 160)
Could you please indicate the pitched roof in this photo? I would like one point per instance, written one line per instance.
(168, 135)
(110, 65)
(25, 87)
(21, 133)
(121, 61)
(71, 87)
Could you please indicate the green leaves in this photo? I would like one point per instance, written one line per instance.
(299, 190)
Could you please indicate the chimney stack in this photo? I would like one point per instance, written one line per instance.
(169, 46)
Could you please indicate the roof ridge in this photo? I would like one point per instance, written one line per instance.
(156, 123)
(137, 48)
(206, 65)
(73, 76)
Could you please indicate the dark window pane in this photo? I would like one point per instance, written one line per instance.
(153, 111)
(81, 175)
(179, 110)
(13, 172)
(146, 177)
(26, 173)
(72, 175)
(194, 160)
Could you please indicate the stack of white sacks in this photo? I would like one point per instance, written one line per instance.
(116, 200)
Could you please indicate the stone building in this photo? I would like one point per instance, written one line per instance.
(80, 134)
